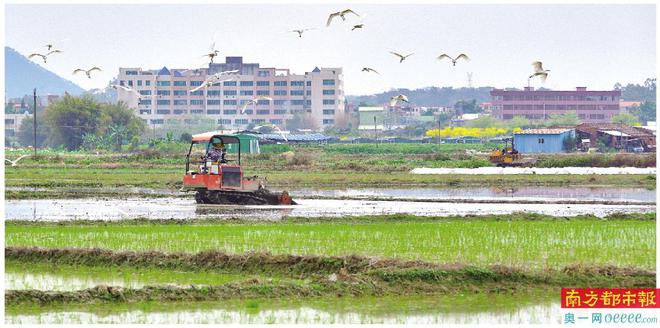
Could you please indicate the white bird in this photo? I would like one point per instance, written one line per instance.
(367, 69)
(340, 14)
(214, 79)
(15, 162)
(127, 89)
(274, 127)
(361, 25)
(87, 72)
(453, 60)
(401, 57)
(254, 101)
(395, 99)
(539, 71)
(301, 31)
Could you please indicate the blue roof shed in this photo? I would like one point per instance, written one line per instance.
(542, 140)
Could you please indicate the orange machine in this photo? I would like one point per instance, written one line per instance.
(218, 180)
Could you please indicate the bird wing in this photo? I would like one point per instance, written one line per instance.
(347, 11)
(396, 54)
(408, 55)
(393, 100)
(94, 69)
(78, 70)
(53, 52)
(226, 72)
(443, 56)
(403, 97)
(265, 98)
(333, 15)
(197, 88)
(543, 76)
(36, 54)
(464, 56)
(245, 106)
(538, 66)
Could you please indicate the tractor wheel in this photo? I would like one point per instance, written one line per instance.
(201, 198)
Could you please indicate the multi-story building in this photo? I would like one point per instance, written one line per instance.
(590, 106)
(165, 94)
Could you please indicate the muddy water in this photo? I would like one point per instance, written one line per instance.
(182, 208)
(509, 194)
(435, 309)
(536, 170)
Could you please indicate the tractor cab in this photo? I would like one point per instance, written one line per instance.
(214, 172)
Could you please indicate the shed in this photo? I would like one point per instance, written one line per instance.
(249, 144)
(542, 140)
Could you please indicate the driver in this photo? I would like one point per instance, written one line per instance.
(217, 152)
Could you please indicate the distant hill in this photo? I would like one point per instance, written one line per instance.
(22, 75)
(430, 96)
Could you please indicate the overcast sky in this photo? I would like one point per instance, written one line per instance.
(582, 45)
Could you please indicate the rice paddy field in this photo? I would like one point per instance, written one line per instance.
(231, 264)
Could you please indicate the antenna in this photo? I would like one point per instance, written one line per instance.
(469, 79)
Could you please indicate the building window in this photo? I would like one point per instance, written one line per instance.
(163, 92)
(197, 93)
(230, 92)
(328, 112)
(279, 83)
(541, 140)
(213, 102)
(196, 111)
(328, 121)
(247, 93)
(179, 93)
(230, 112)
(196, 102)
(279, 102)
(263, 73)
(279, 92)
(130, 83)
(9, 121)
(147, 83)
(196, 83)
(229, 83)
(163, 111)
(309, 83)
(163, 83)
(145, 111)
(224, 121)
(229, 102)
(139, 83)
(297, 93)
(213, 112)
(131, 73)
(248, 111)
(328, 82)
(145, 92)
(263, 102)
(179, 83)
(280, 111)
(163, 102)
(247, 83)
(329, 92)
(157, 121)
(297, 102)
(180, 111)
(297, 83)
(213, 93)
(276, 121)
(309, 92)
(263, 93)
(145, 101)
(180, 102)
(328, 101)
(241, 121)
(263, 112)
(258, 121)
(263, 83)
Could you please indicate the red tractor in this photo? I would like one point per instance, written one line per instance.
(218, 180)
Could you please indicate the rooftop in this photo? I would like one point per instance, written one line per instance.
(543, 131)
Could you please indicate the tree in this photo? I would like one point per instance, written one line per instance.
(518, 122)
(26, 132)
(570, 143)
(645, 111)
(625, 118)
(467, 107)
(185, 137)
(568, 118)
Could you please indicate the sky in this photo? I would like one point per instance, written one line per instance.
(582, 45)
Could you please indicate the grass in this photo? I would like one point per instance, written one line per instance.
(46, 276)
(534, 244)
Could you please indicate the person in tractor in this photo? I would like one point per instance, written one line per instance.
(217, 152)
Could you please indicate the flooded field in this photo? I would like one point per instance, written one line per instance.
(437, 309)
(536, 170)
(182, 208)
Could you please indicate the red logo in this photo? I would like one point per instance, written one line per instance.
(615, 298)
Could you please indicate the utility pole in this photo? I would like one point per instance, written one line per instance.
(375, 131)
(34, 125)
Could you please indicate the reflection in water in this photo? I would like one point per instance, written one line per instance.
(177, 208)
(456, 309)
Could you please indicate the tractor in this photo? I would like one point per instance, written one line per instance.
(509, 156)
(221, 180)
